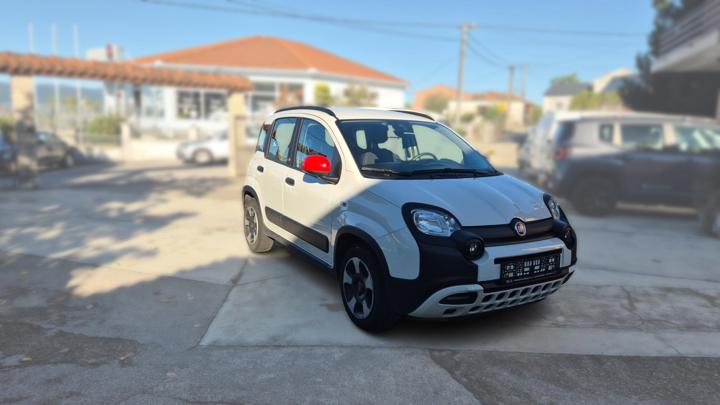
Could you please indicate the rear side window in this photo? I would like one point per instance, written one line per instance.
(262, 138)
(606, 133)
(642, 136)
(279, 148)
(564, 132)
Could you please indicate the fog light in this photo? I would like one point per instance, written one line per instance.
(474, 248)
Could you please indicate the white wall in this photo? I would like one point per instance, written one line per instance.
(556, 103)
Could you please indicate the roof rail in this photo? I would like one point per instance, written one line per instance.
(419, 114)
(307, 107)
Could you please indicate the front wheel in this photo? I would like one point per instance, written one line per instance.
(594, 196)
(363, 291)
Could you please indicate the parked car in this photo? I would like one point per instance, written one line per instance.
(53, 151)
(204, 151)
(598, 160)
(411, 219)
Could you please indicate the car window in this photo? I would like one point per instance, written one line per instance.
(314, 139)
(697, 139)
(642, 136)
(262, 137)
(606, 133)
(42, 137)
(564, 132)
(281, 138)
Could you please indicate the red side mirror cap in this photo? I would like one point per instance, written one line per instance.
(316, 164)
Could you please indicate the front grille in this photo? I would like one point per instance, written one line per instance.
(517, 296)
(494, 235)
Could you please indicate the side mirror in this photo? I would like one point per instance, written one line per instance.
(317, 164)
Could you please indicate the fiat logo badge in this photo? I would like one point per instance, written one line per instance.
(520, 228)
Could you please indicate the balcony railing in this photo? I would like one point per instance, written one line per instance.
(703, 19)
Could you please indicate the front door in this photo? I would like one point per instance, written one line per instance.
(311, 202)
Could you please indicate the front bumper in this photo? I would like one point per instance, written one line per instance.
(487, 300)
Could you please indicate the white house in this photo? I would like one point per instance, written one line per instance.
(283, 72)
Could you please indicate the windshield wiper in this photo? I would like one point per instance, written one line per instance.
(385, 171)
(453, 170)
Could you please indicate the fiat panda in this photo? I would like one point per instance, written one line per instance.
(409, 216)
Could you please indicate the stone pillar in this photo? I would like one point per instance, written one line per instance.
(22, 97)
(239, 150)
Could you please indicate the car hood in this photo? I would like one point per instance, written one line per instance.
(478, 201)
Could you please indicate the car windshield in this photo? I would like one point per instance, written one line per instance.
(411, 149)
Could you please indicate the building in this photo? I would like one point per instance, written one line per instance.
(515, 109)
(283, 72)
(559, 95)
(439, 91)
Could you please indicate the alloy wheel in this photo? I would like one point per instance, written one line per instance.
(251, 225)
(358, 288)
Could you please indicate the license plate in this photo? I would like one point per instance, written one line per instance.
(529, 267)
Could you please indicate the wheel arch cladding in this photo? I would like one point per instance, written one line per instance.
(248, 190)
(348, 236)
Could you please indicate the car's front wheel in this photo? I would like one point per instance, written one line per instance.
(254, 227)
(594, 196)
(364, 292)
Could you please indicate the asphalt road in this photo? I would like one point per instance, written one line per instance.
(133, 284)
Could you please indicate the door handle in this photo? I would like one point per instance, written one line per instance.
(289, 181)
(260, 169)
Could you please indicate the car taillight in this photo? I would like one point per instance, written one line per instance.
(562, 153)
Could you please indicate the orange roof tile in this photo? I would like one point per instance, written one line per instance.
(264, 52)
(36, 65)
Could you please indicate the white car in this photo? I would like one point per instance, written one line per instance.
(410, 217)
(204, 151)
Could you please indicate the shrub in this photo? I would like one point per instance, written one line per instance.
(104, 125)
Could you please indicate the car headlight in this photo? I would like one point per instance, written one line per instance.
(553, 206)
(434, 223)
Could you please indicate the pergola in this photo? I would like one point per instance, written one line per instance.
(22, 68)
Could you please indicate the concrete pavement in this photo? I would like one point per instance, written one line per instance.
(138, 279)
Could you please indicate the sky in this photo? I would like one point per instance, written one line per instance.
(422, 54)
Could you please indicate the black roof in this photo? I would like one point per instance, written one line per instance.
(566, 89)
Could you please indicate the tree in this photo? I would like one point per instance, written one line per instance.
(359, 96)
(571, 78)
(691, 93)
(323, 96)
(436, 102)
(588, 100)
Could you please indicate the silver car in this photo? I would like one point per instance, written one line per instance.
(204, 151)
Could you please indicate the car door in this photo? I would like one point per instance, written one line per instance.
(647, 166)
(274, 172)
(311, 201)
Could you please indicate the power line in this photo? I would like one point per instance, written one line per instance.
(335, 22)
(485, 58)
(499, 60)
(253, 8)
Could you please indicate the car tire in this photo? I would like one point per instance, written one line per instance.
(202, 157)
(363, 290)
(68, 160)
(594, 196)
(709, 216)
(254, 227)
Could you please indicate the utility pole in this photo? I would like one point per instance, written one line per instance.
(511, 79)
(464, 29)
(78, 90)
(523, 79)
(56, 90)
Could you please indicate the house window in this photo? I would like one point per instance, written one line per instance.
(152, 102)
(215, 106)
(189, 105)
